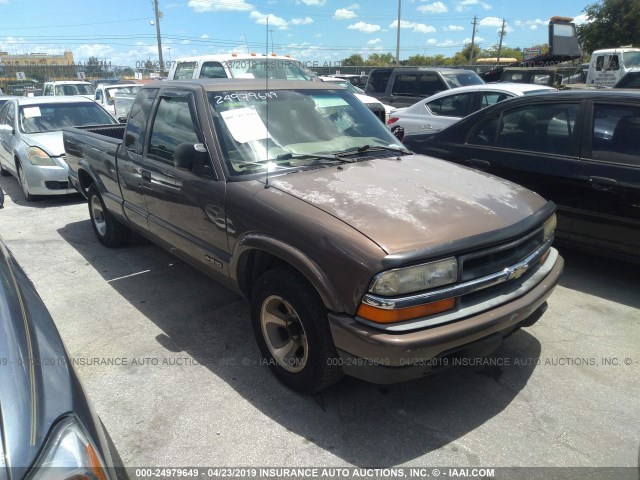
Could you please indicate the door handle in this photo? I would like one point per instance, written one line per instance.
(146, 175)
(602, 184)
(482, 164)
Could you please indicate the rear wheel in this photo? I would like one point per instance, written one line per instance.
(291, 328)
(109, 231)
(3, 172)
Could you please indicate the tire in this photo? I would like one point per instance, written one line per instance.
(22, 180)
(3, 172)
(110, 232)
(287, 312)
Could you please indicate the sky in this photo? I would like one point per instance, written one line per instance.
(123, 33)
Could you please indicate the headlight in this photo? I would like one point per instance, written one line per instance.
(550, 227)
(416, 278)
(69, 454)
(39, 157)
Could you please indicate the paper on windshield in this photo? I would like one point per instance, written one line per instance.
(31, 112)
(245, 124)
(333, 101)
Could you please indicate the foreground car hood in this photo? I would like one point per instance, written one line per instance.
(50, 142)
(413, 203)
(35, 379)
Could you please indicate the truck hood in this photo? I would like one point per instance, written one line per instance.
(413, 203)
(50, 142)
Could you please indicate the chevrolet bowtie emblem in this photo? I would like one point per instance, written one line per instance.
(517, 272)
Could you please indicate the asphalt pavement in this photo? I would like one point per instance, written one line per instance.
(167, 357)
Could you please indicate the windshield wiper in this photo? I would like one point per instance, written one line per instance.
(364, 148)
(333, 158)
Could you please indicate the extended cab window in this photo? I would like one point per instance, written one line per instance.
(405, 85)
(140, 111)
(430, 83)
(539, 128)
(172, 125)
(615, 134)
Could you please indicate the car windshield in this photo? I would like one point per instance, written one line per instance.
(284, 129)
(55, 116)
(111, 91)
(75, 89)
(273, 68)
(462, 79)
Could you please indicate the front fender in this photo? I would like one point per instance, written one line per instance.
(291, 255)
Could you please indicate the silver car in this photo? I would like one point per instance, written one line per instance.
(31, 146)
(446, 108)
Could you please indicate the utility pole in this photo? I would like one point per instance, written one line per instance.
(155, 9)
(398, 37)
(473, 39)
(271, 32)
(502, 34)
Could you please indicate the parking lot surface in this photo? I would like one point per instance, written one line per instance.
(169, 361)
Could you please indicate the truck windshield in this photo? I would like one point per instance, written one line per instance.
(55, 116)
(631, 59)
(284, 129)
(273, 68)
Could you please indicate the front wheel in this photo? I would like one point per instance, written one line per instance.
(291, 328)
(109, 231)
(23, 183)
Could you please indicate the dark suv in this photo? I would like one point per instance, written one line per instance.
(402, 87)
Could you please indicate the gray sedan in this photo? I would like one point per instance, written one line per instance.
(47, 425)
(31, 146)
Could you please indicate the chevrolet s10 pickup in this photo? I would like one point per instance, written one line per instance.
(357, 256)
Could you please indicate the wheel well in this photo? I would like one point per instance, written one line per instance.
(252, 265)
(85, 180)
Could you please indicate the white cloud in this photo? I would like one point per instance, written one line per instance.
(364, 27)
(415, 27)
(301, 21)
(447, 43)
(453, 28)
(477, 40)
(465, 5)
(432, 41)
(314, 3)
(344, 14)
(204, 37)
(491, 22)
(261, 19)
(201, 6)
(580, 19)
(435, 7)
(374, 41)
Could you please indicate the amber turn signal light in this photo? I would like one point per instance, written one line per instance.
(380, 315)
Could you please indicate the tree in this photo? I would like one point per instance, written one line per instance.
(380, 59)
(610, 23)
(354, 60)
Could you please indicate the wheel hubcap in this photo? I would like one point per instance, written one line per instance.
(97, 214)
(284, 334)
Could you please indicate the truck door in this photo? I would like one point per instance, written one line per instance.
(132, 186)
(185, 202)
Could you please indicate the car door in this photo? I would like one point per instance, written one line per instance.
(130, 157)
(447, 110)
(610, 178)
(8, 140)
(185, 203)
(535, 145)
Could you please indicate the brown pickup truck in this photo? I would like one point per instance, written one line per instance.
(358, 257)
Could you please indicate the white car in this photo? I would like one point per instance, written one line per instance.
(69, 87)
(381, 110)
(106, 94)
(446, 108)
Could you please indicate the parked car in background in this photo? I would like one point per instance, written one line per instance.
(235, 65)
(579, 148)
(445, 108)
(70, 87)
(630, 80)
(401, 87)
(381, 110)
(359, 81)
(609, 65)
(31, 146)
(556, 76)
(105, 94)
(47, 425)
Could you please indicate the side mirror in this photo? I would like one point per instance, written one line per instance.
(189, 154)
(6, 129)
